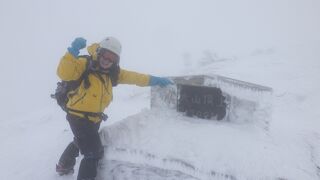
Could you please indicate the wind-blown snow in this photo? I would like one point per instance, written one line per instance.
(272, 43)
(289, 149)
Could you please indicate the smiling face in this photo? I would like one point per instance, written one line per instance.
(107, 58)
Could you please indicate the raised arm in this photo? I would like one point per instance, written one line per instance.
(71, 67)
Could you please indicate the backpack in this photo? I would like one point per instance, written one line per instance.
(65, 89)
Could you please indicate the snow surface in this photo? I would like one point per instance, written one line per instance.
(272, 43)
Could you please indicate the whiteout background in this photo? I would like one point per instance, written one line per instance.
(273, 43)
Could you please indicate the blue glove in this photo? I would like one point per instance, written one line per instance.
(76, 45)
(159, 81)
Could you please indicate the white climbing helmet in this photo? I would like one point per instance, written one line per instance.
(112, 44)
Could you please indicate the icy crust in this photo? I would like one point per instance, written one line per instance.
(123, 170)
(241, 89)
(164, 98)
(257, 112)
(246, 102)
(167, 140)
(133, 164)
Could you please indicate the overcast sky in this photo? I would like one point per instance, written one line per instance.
(155, 36)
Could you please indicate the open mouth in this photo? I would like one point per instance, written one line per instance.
(105, 64)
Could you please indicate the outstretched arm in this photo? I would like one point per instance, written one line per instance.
(130, 77)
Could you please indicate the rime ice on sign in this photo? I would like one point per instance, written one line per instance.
(201, 101)
(199, 96)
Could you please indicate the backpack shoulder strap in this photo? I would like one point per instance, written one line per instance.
(84, 77)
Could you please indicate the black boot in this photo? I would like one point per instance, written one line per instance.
(67, 160)
(64, 171)
(88, 168)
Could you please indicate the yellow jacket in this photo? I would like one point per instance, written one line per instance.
(99, 95)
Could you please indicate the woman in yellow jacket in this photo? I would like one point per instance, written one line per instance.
(87, 103)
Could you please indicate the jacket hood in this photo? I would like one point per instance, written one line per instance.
(92, 50)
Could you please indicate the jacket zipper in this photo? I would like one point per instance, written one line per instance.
(101, 97)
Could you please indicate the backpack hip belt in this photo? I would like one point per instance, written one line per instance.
(87, 115)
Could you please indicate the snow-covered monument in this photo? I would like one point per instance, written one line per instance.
(201, 97)
(216, 97)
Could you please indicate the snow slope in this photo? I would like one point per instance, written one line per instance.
(290, 149)
(269, 42)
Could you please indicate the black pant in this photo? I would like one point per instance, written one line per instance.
(87, 140)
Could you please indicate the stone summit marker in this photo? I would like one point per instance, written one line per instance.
(200, 101)
(215, 97)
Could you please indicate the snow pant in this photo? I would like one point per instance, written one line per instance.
(87, 141)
